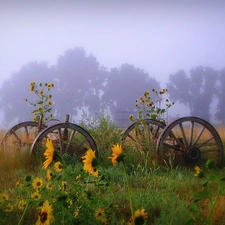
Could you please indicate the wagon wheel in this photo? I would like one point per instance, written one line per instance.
(190, 141)
(143, 135)
(67, 138)
(20, 136)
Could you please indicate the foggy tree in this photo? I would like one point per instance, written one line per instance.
(124, 86)
(79, 82)
(15, 90)
(220, 109)
(196, 91)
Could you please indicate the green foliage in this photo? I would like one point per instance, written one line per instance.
(205, 201)
(148, 108)
(43, 103)
(103, 130)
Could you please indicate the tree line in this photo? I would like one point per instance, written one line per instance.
(81, 83)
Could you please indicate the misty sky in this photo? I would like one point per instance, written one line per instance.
(159, 37)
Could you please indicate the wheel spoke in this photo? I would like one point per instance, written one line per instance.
(70, 139)
(183, 134)
(60, 140)
(199, 135)
(205, 142)
(191, 133)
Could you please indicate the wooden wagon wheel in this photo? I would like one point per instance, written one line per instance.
(67, 138)
(143, 135)
(190, 141)
(21, 136)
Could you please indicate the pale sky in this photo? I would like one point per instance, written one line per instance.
(157, 36)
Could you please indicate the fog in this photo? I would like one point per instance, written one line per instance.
(159, 37)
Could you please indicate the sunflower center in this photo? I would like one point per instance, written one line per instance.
(43, 217)
(139, 220)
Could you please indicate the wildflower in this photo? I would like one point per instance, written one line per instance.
(64, 185)
(37, 183)
(50, 103)
(139, 217)
(146, 94)
(45, 216)
(51, 115)
(58, 167)
(99, 214)
(32, 89)
(90, 162)
(78, 177)
(69, 203)
(8, 208)
(22, 204)
(39, 109)
(117, 155)
(41, 92)
(76, 213)
(49, 174)
(36, 195)
(32, 83)
(198, 172)
(49, 86)
(49, 153)
(49, 186)
(131, 118)
(49, 96)
(4, 197)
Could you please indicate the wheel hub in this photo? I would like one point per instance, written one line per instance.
(194, 153)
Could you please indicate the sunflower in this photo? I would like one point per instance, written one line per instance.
(4, 197)
(49, 174)
(36, 195)
(45, 216)
(8, 208)
(117, 155)
(37, 183)
(99, 214)
(22, 204)
(64, 185)
(49, 153)
(58, 167)
(49, 86)
(198, 172)
(90, 162)
(49, 186)
(139, 217)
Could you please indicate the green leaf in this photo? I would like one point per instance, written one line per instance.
(202, 195)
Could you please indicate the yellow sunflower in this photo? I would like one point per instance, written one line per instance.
(22, 204)
(36, 195)
(139, 217)
(49, 174)
(64, 185)
(90, 162)
(4, 197)
(45, 216)
(100, 214)
(198, 172)
(49, 186)
(9, 208)
(117, 154)
(58, 167)
(49, 153)
(37, 183)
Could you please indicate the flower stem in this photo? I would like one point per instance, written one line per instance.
(129, 193)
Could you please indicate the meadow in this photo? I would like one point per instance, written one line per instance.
(136, 189)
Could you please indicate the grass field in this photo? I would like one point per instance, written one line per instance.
(153, 192)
